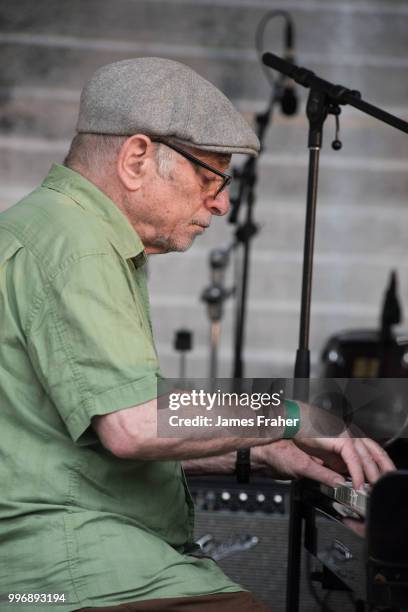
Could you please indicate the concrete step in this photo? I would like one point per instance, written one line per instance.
(271, 340)
(257, 364)
(345, 181)
(363, 231)
(345, 283)
(51, 113)
(342, 29)
(266, 329)
(57, 64)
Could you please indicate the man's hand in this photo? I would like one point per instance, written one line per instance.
(363, 458)
(341, 449)
(325, 459)
(285, 460)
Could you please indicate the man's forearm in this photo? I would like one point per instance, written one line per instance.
(162, 449)
(221, 464)
(132, 434)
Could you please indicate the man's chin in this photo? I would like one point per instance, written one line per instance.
(182, 245)
(170, 245)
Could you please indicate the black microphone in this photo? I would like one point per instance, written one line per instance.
(289, 99)
(278, 63)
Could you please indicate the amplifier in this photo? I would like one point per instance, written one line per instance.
(245, 529)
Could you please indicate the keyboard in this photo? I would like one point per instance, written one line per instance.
(346, 495)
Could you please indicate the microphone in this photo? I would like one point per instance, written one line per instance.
(278, 63)
(289, 99)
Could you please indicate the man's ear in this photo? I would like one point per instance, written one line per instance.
(134, 159)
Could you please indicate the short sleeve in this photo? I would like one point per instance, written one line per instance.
(90, 340)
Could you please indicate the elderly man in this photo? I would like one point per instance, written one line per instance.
(95, 511)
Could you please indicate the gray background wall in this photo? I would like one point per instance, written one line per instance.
(50, 47)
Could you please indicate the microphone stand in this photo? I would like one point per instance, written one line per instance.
(316, 110)
(324, 98)
(214, 296)
(247, 178)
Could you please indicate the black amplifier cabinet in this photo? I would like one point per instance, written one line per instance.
(370, 557)
(342, 550)
(245, 529)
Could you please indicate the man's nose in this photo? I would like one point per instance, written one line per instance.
(219, 205)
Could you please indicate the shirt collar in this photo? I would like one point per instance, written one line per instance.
(90, 198)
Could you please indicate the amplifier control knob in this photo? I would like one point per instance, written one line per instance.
(209, 500)
(278, 501)
(243, 497)
(260, 498)
(225, 496)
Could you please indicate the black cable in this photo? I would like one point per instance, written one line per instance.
(259, 39)
(321, 602)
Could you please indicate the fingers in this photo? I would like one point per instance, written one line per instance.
(316, 471)
(370, 467)
(381, 457)
(353, 462)
(367, 460)
(317, 459)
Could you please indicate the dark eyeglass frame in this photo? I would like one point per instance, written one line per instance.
(227, 178)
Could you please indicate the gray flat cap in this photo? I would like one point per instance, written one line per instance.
(160, 97)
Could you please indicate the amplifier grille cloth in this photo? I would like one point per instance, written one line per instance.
(262, 569)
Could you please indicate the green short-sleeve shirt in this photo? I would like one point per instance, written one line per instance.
(76, 341)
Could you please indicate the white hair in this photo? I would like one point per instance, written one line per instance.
(98, 151)
(165, 159)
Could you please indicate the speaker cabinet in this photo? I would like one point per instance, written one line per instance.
(245, 529)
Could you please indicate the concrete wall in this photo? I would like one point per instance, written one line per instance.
(50, 47)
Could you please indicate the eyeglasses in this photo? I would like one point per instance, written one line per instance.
(226, 178)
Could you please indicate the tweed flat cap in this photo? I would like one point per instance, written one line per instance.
(161, 97)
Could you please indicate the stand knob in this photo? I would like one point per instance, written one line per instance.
(336, 144)
(183, 342)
